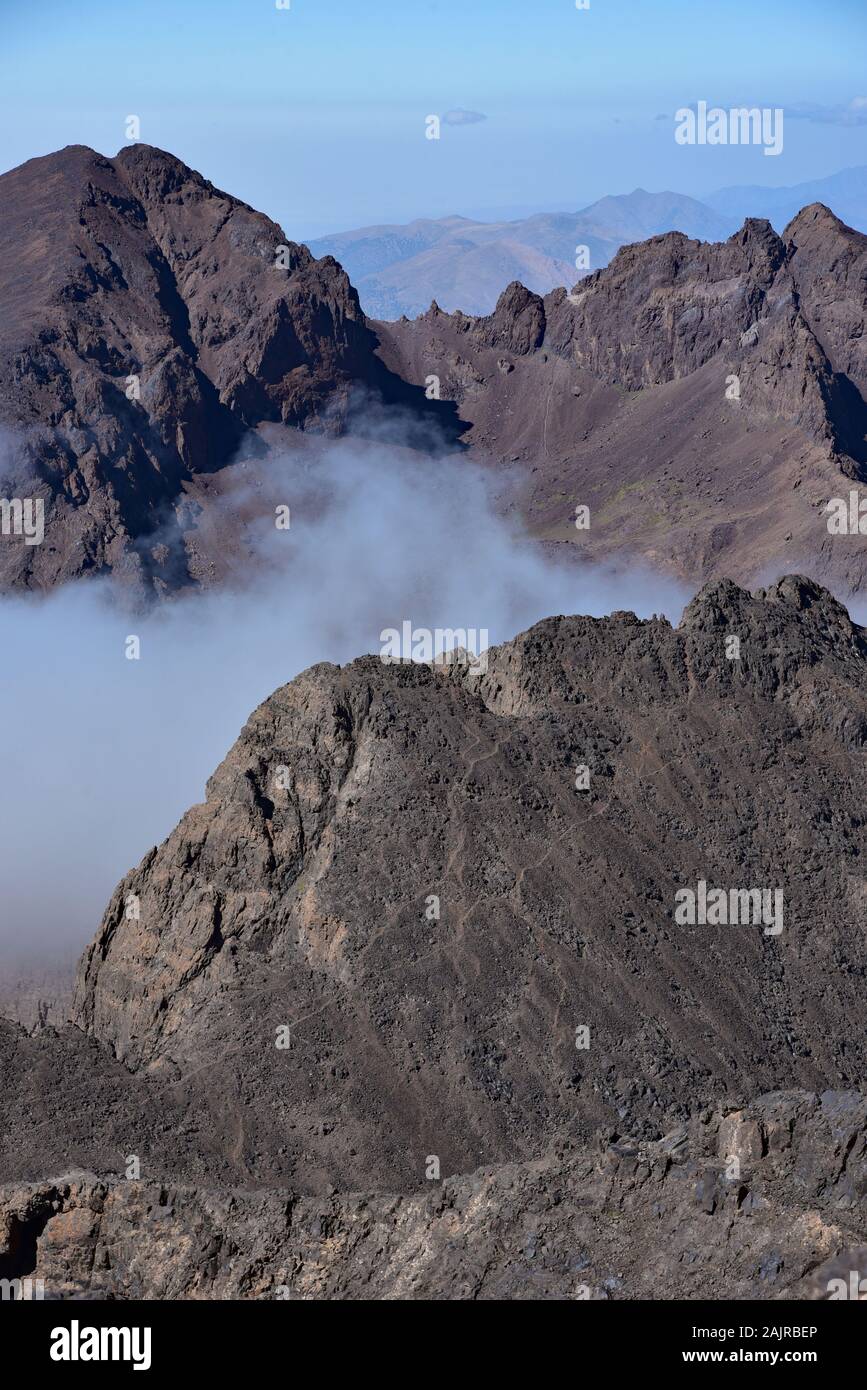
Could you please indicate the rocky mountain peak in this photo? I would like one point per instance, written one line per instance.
(767, 250)
(271, 906)
(814, 221)
(168, 319)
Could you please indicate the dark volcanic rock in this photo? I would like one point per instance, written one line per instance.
(300, 895)
(616, 1220)
(437, 1122)
(145, 323)
(665, 307)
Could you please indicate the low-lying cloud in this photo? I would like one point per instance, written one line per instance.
(103, 753)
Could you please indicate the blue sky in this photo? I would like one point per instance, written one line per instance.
(316, 113)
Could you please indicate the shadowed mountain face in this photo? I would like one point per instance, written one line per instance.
(406, 926)
(703, 400)
(147, 320)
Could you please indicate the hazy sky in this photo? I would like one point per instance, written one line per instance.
(316, 113)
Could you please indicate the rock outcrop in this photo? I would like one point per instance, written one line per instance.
(786, 309)
(395, 876)
(762, 1203)
(705, 400)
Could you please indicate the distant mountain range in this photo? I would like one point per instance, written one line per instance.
(845, 192)
(465, 264)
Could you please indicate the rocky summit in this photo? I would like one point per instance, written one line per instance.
(148, 324)
(474, 967)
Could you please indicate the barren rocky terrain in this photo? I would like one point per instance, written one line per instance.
(407, 1006)
(148, 323)
(616, 1220)
(704, 400)
(379, 941)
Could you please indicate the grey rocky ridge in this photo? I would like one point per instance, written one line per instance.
(435, 1097)
(727, 381)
